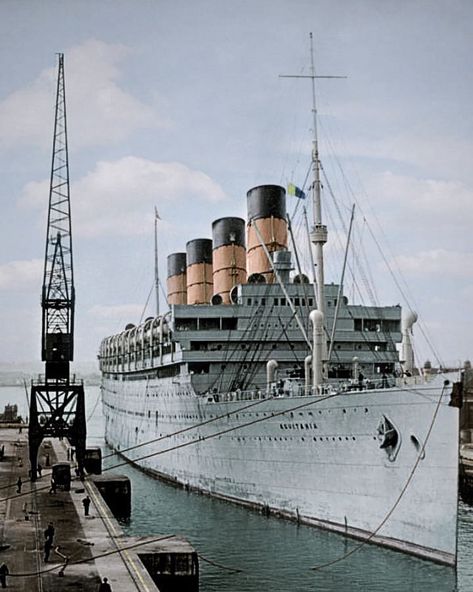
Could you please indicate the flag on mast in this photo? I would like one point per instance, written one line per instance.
(294, 190)
(157, 216)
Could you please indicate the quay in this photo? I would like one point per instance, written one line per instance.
(466, 473)
(85, 548)
(466, 436)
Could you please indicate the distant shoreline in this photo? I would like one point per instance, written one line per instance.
(20, 380)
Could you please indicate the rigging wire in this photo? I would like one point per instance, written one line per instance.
(91, 414)
(397, 277)
(88, 559)
(147, 302)
(424, 332)
(240, 426)
(373, 533)
(232, 570)
(200, 439)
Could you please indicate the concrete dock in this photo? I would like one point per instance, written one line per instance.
(85, 548)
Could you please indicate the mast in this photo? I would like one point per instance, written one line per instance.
(156, 265)
(318, 232)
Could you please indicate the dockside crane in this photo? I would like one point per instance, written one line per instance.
(57, 405)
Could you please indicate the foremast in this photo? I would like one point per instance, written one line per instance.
(318, 232)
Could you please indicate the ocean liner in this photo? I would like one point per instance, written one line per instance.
(265, 388)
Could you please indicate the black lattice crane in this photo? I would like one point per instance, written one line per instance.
(57, 407)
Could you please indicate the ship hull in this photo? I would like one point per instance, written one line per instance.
(322, 460)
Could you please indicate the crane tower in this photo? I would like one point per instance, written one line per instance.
(57, 406)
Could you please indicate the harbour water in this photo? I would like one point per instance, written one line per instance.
(243, 551)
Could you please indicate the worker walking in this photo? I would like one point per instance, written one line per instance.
(49, 532)
(86, 504)
(48, 543)
(105, 586)
(4, 572)
(19, 483)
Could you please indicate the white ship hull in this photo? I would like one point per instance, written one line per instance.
(315, 459)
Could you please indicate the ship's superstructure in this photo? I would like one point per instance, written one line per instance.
(217, 394)
(219, 325)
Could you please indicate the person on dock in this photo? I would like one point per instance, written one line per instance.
(39, 469)
(52, 489)
(86, 504)
(105, 586)
(48, 543)
(47, 549)
(49, 533)
(19, 483)
(4, 572)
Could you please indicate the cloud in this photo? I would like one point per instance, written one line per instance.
(21, 275)
(427, 213)
(425, 197)
(380, 131)
(99, 110)
(117, 198)
(438, 262)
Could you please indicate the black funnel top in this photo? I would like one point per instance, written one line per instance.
(228, 231)
(266, 201)
(199, 250)
(177, 263)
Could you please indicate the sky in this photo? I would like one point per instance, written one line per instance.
(179, 105)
